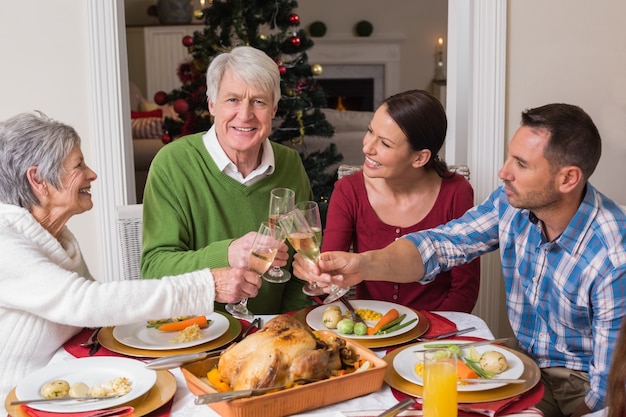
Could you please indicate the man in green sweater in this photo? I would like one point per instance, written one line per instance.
(207, 193)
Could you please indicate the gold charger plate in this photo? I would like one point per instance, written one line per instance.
(106, 339)
(421, 328)
(531, 374)
(163, 390)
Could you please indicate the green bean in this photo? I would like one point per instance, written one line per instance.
(392, 323)
(396, 327)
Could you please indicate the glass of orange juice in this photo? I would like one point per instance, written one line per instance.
(439, 395)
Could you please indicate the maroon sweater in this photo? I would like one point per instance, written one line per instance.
(351, 221)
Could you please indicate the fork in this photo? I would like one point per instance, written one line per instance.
(91, 339)
(446, 335)
(355, 316)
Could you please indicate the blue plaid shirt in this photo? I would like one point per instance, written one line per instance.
(565, 298)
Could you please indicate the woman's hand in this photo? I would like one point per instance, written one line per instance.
(234, 284)
(339, 268)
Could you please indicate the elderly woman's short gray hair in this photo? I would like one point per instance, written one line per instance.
(252, 66)
(28, 140)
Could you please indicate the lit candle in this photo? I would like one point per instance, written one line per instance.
(202, 4)
(440, 45)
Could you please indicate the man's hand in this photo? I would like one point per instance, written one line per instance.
(233, 284)
(239, 252)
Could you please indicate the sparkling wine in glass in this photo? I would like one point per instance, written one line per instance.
(262, 254)
(302, 238)
(311, 212)
(282, 201)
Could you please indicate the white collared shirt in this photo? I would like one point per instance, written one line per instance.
(223, 162)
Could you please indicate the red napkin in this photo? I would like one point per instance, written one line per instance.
(491, 408)
(438, 324)
(74, 348)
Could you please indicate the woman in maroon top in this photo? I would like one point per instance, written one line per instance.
(404, 187)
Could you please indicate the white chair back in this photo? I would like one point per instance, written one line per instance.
(350, 169)
(129, 234)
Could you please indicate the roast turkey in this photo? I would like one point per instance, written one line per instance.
(283, 351)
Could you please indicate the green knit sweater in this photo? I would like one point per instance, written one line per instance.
(192, 212)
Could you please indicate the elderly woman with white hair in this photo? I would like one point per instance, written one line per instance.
(48, 294)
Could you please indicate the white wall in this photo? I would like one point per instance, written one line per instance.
(45, 67)
(421, 21)
(573, 51)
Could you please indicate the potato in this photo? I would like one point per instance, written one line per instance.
(494, 362)
(331, 317)
(79, 390)
(55, 389)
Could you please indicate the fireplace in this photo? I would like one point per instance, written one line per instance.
(358, 71)
(349, 94)
(353, 87)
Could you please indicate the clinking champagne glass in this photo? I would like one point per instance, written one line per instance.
(302, 238)
(262, 254)
(282, 201)
(311, 212)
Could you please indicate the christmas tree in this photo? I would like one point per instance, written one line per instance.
(271, 26)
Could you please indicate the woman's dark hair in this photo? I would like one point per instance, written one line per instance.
(574, 138)
(422, 118)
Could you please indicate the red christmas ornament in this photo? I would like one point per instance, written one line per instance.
(295, 41)
(160, 98)
(294, 19)
(188, 41)
(181, 106)
(166, 138)
(282, 69)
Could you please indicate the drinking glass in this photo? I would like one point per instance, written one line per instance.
(282, 201)
(311, 212)
(302, 238)
(439, 395)
(262, 254)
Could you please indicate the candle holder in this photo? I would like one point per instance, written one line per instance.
(440, 73)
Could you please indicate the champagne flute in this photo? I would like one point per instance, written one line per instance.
(262, 253)
(311, 212)
(282, 201)
(302, 238)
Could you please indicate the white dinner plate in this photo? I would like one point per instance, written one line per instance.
(138, 336)
(405, 361)
(314, 318)
(92, 371)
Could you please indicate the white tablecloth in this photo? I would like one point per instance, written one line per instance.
(183, 405)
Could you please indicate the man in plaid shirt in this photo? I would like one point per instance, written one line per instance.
(562, 248)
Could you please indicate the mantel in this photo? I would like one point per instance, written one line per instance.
(345, 51)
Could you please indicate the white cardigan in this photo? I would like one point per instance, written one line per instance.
(47, 295)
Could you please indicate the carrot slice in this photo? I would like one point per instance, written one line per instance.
(177, 326)
(389, 316)
(464, 371)
(214, 379)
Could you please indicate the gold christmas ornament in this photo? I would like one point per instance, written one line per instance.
(262, 37)
(317, 69)
(198, 14)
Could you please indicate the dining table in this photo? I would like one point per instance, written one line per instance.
(182, 404)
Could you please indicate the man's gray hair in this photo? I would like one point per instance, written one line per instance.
(28, 140)
(250, 65)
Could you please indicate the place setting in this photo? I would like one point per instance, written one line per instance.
(410, 323)
(489, 377)
(144, 341)
(91, 386)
